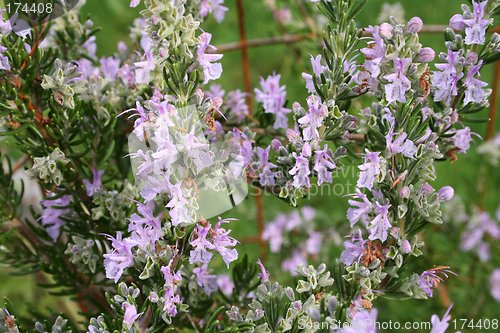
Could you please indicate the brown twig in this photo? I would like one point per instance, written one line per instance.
(35, 46)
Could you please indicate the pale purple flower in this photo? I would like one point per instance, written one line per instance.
(426, 54)
(318, 69)
(53, 214)
(405, 246)
(370, 169)
(446, 193)
(380, 225)
(144, 68)
(313, 243)
(401, 145)
(172, 298)
(359, 210)
(273, 233)
(223, 243)
(386, 30)
(462, 139)
(399, 83)
(201, 246)
(414, 25)
(237, 105)
(4, 61)
(375, 53)
(445, 81)
(120, 258)
(130, 315)
(94, 186)
(134, 3)
(314, 118)
(273, 98)
(215, 91)
(266, 176)
(363, 321)
(475, 91)
(323, 165)
(475, 31)
(295, 261)
(264, 274)
(5, 27)
(457, 22)
(430, 279)
(441, 325)
(212, 70)
(110, 67)
(213, 6)
(225, 284)
(300, 171)
(145, 227)
(353, 248)
(495, 284)
(205, 280)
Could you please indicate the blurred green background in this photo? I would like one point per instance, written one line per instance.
(469, 292)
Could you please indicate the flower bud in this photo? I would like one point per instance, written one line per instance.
(405, 192)
(386, 30)
(472, 58)
(446, 193)
(415, 25)
(426, 54)
(276, 144)
(405, 246)
(457, 22)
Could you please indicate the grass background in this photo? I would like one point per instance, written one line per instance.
(469, 292)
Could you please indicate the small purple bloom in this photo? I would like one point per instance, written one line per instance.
(414, 25)
(213, 6)
(53, 214)
(95, 186)
(386, 30)
(144, 68)
(273, 98)
(399, 83)
(201, 246)
(110, 67)
(130, 315)
(225, 284)
(370, 169)
(237, 105)
(380, 225)
(495, 284)
(441, 325)
(318, 69)
(205, 280)
(314, 118)
(426, 54)
(363, 321)
(475, 92)
(445, 81)
(353, 249)
(446, 193)
(323, 165)
(462, 139)
(264, 274)
(301, 171)
(120, 258)
(212, 70)
(359, 210)
(475, 32)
